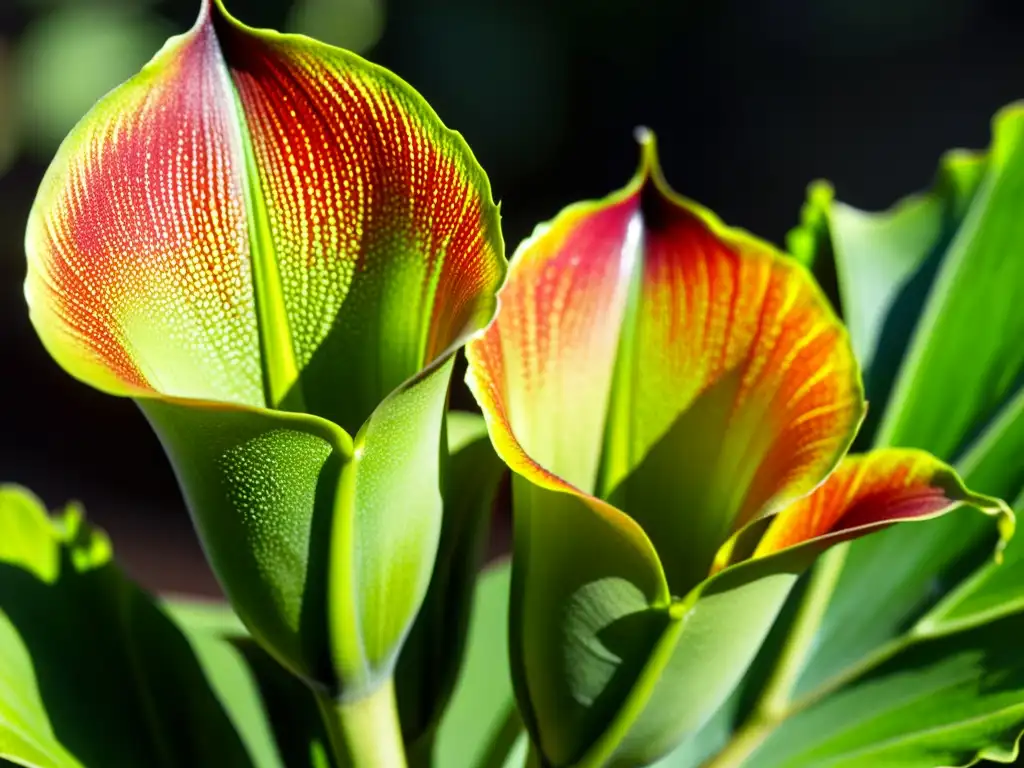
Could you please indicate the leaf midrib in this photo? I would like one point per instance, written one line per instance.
(278, 362)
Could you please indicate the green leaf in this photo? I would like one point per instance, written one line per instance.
(480, 721)
(433, 653)
(932, 302)
(588, 610)
(945, 701)
(713, 641)
(993, 591)
(277, 716)
(723, 410)
(884, 265)
(340, 537)
(889, 580)
(955, 377)
(714, 735)
(273, 712)
(261, 487)
(930, 294)
(285, 308)
(92, 671)
(296, 724)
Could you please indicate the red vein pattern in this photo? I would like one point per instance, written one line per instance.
(139, 278)
(235, 147)
(373, 210)
(868, 492)
(560, 388)
(717, 305)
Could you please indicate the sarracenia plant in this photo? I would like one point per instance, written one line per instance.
(276, 249)
(676, 399)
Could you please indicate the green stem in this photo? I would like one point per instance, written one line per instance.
(743, 744)
(502, 740)
(777, 691)
(755, 730)
(602, 750)
(364, 733)
(773, 705)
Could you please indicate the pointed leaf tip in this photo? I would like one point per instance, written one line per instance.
(248, 186)
(649, 180)
(648, 355)
(259, 223)
(638, 330)
(648, 143)
(871, 491)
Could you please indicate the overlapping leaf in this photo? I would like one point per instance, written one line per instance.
(959, 271)
(683, 454)
(92, 672)
(930, 292)
(276, 247)
(946, 701)
(95, 673)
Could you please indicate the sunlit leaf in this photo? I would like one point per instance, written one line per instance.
(939, 259)
(948, 701)
(433, 656)
(92, 671)
(276, 247)
(874, 490)
(667, 391)
(481, 714)
(270, 708)
(992, 592)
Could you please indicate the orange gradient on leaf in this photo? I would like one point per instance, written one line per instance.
(627, 317)
(867, 492)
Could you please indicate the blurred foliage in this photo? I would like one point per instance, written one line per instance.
(72, 55)
(353, 24)
(8, 138)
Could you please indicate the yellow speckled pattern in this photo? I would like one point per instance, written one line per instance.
(252, 206)
(139, 277)
(623, 316)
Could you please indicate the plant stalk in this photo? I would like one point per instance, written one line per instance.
(364, 733)
(775, 697)
(773, 705)
(503, 740)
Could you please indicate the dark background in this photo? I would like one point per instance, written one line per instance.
(750, 100)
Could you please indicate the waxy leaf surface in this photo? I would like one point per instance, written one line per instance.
(731, 394)
(276, 247)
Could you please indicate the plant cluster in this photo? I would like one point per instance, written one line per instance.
(277, 250)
